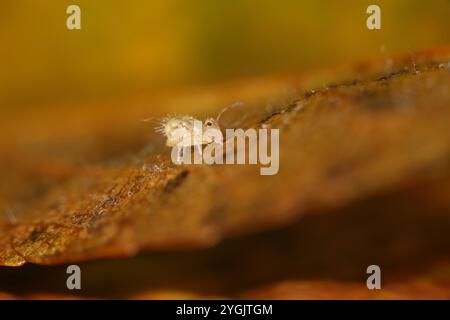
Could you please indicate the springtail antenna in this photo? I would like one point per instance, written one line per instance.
(229, 107)
(149, 119)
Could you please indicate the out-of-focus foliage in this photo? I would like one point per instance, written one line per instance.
(130, 47)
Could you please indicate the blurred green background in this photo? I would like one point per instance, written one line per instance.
(139, 46)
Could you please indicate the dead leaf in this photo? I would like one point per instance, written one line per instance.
(373, 141)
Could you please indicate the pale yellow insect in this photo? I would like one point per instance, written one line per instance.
(177, 128)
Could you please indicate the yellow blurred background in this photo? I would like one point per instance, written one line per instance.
(138, 46)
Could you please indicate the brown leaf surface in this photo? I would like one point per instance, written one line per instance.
(369, 149)
(320, 256)
(312, 258)
(338, 144)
